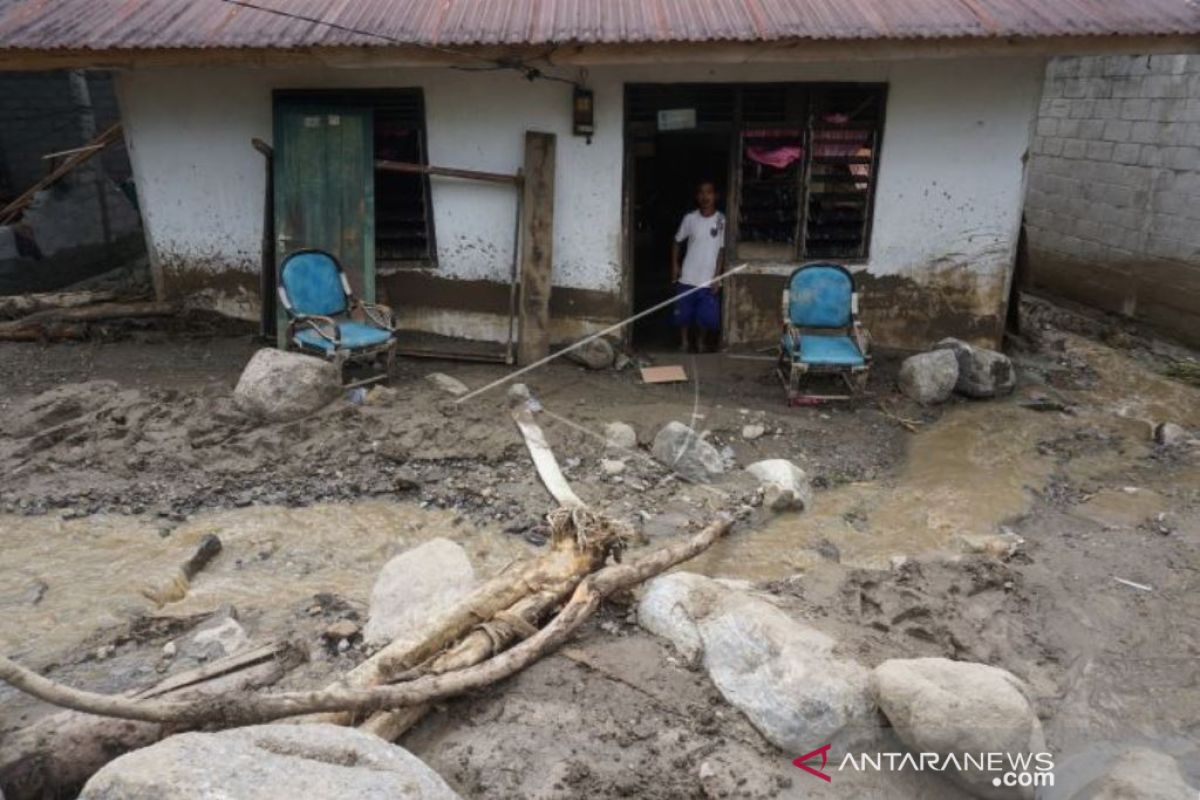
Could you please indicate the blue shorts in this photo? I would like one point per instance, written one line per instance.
(701, 308)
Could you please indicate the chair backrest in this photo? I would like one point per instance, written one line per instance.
(821, 296)
(313, 283)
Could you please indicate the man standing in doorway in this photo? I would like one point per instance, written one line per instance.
(703, 231)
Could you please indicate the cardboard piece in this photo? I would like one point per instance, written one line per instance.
(669, 374)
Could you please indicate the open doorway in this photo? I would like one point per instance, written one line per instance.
(666, 170)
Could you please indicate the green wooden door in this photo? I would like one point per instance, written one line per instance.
(325, 189)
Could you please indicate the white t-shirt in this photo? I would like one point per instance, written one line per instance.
(705, 236)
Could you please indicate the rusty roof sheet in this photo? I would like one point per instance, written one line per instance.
(154, 24)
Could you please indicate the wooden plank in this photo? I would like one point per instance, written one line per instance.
(448, 172)
(68, 164)
(667, 374)
(537, 226)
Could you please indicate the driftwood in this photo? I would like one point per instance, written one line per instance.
(247, 708)
(177, 587)
(18, 305)
(56, 755)
(57, 324)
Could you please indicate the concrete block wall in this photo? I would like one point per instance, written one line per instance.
(1112, 213)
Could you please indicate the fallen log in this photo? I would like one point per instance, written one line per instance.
(18, 305)
(69, 323)
(55, 756)
(246, 708)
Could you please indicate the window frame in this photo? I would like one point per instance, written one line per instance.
(798, 249)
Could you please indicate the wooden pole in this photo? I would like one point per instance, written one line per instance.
(537, 224)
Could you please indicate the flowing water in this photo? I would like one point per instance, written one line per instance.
(977, 467)
(62, 580)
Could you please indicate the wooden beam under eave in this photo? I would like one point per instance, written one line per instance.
(788, 51)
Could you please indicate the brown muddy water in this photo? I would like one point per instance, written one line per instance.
(95, 573)
(975, 469)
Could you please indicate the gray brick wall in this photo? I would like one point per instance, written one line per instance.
(1112, 214)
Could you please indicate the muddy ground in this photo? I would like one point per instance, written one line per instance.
(118, 457)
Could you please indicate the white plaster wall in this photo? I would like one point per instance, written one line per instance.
(949, 192)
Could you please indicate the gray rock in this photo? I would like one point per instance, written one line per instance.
(752, 432)
(620, 436)
(929, 378)
(269, 762)
(941, 706)
(982, 373)
(780, 673)
(1138, 774)
(1168, 434)
(278, 386)
(595, 354)
(415, 586)
(612, 466)
(447, 383)
(219, 636)
(678, 446)
(785, 486)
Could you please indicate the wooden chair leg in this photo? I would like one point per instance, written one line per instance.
(391, 359)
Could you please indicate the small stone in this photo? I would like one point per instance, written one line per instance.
(620, 436)
(105, 652)
(612, 466)
(342, 629)
(596, 353)
(752, 432)
(343, 645)
(785, 486)
(1168, 434)
(168, 650)
(447, 383)
(681, 449)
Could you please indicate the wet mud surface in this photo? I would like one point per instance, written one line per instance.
(119, 458)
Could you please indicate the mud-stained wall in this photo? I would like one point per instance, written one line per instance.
(947, 204)
(1113, 212)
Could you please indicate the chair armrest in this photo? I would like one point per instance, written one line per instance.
(325, 327)
(862, 338)
(790, 331)
(377, 313)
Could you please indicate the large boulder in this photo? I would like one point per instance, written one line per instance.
(780, 673)
(982, 373)
(1138, 774)
(681, 449)
(949, 707)
(278, 386)
(785, 486)
(929, 378)
(596, 353)
(269, 762)
(414, 587)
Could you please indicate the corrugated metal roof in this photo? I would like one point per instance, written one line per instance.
(153, 24)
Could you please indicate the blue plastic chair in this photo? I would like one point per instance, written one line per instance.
(821, 332)
(324, 317)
